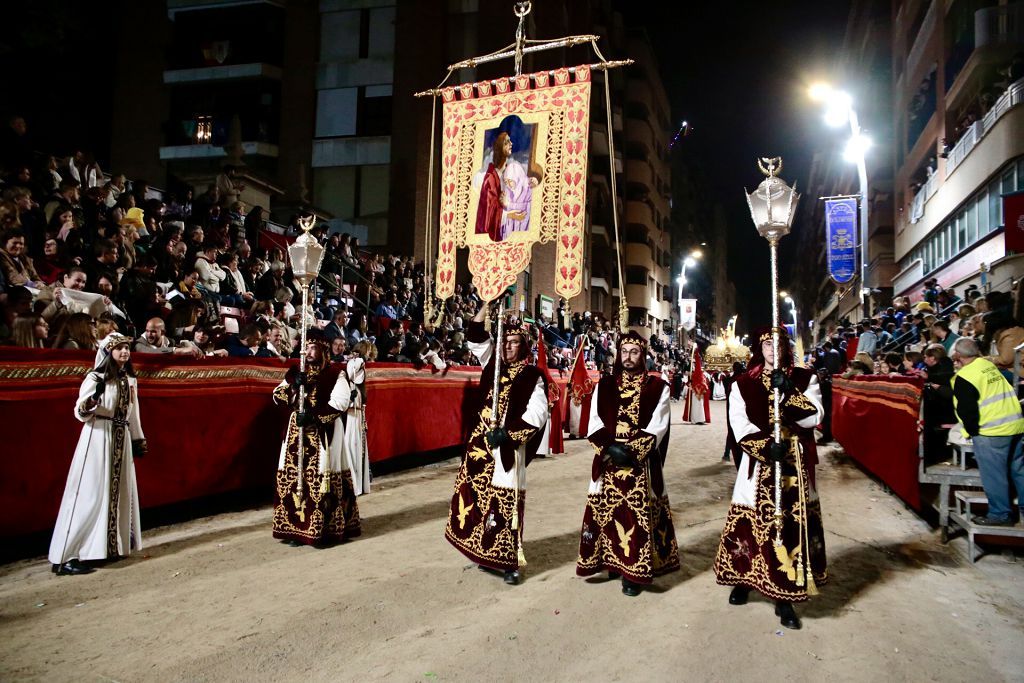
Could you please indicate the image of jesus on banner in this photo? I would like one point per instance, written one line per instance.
(506, 179)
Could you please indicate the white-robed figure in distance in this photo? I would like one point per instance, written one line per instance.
(99, 513)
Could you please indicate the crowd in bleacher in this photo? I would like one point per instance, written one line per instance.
(198, 273)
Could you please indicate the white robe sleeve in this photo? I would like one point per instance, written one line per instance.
(738, 420)
(537, 409)
(813, 394)
(134, 419)
(341, 395)
(283, 384)
(595, 419)
(660, 419)
(482, 350)
(85, 392)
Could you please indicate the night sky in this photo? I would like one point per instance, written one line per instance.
(738, 72)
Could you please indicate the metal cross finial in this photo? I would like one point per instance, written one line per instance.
(770, 166)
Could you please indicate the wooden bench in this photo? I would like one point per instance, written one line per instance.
(964, 511)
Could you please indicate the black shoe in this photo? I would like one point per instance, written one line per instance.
(985, 520)
(72, 568)
(787, 614)
(512, 577)
(629, 588)
(739, 595)
(613, 575)
(824, 441)
(294, 544)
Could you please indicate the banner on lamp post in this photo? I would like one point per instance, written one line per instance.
(841, 238)
(688, 313)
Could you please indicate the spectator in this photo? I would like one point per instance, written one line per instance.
(337, 327)
(104, 262)
(53, 263)
(229, 186)
(245, 343)
(868, 342)
(154, 340)
(937, 401)
(77, 332)
(17, 266)
(202, 340)
(30, 331)
(389, 308)
(68, 194)
(991, 417)
(234, 290)
(339, 349)
(942, 334)
(1002, 335)
(891, 364)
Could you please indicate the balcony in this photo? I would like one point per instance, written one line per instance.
(639, 256)
(638, 297)
(640, 213)
(994, 37)
(1013, 96)
(638, 92)
(640, 136)
(926, 192)
(640, 173)
(599, 283)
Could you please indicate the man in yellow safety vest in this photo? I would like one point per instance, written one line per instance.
(987, 407)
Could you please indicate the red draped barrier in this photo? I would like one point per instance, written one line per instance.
(875, 420)
(211, 424)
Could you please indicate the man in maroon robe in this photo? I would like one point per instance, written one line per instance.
(627, 525)
(485, 519)
(748, 555)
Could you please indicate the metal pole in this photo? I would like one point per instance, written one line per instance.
(862, 178)
(773, 244)
(300, 459)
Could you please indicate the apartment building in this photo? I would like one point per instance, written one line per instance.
(958, 87)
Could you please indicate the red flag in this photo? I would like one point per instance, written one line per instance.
(580, 387)
(556, 443)
(1013, 219)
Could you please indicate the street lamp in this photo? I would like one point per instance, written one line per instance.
(839, 111)
(688, 262)
(772, 207)
(306, 255)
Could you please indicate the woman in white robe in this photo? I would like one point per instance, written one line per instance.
(99, 513)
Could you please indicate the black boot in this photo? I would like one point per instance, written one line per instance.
(738, 596)
(787, 614)
(72, 568)
(612, 575)
(512, 577)
(629, 588)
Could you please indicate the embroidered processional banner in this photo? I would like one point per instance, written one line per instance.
(514, 173)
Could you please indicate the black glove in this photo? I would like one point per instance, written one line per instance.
(777, 453)
(352, 396)
(497, 437)
(780, 381)
(618, 454)
(299, 379)
(303, 419)
(139, 448)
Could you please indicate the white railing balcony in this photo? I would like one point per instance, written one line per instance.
(926, 192)
(1013, 96)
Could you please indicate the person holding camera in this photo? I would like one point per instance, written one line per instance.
(748, 557)
(99, 513)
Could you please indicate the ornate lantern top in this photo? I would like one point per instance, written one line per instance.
(306, 254)
(773, 203)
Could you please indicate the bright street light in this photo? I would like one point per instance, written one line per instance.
(856, 148)
(839, 111)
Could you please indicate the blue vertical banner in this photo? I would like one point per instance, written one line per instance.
(841, 238)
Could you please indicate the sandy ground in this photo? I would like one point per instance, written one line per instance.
(219, 599)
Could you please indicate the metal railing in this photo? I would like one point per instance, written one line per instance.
(1013, 96)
